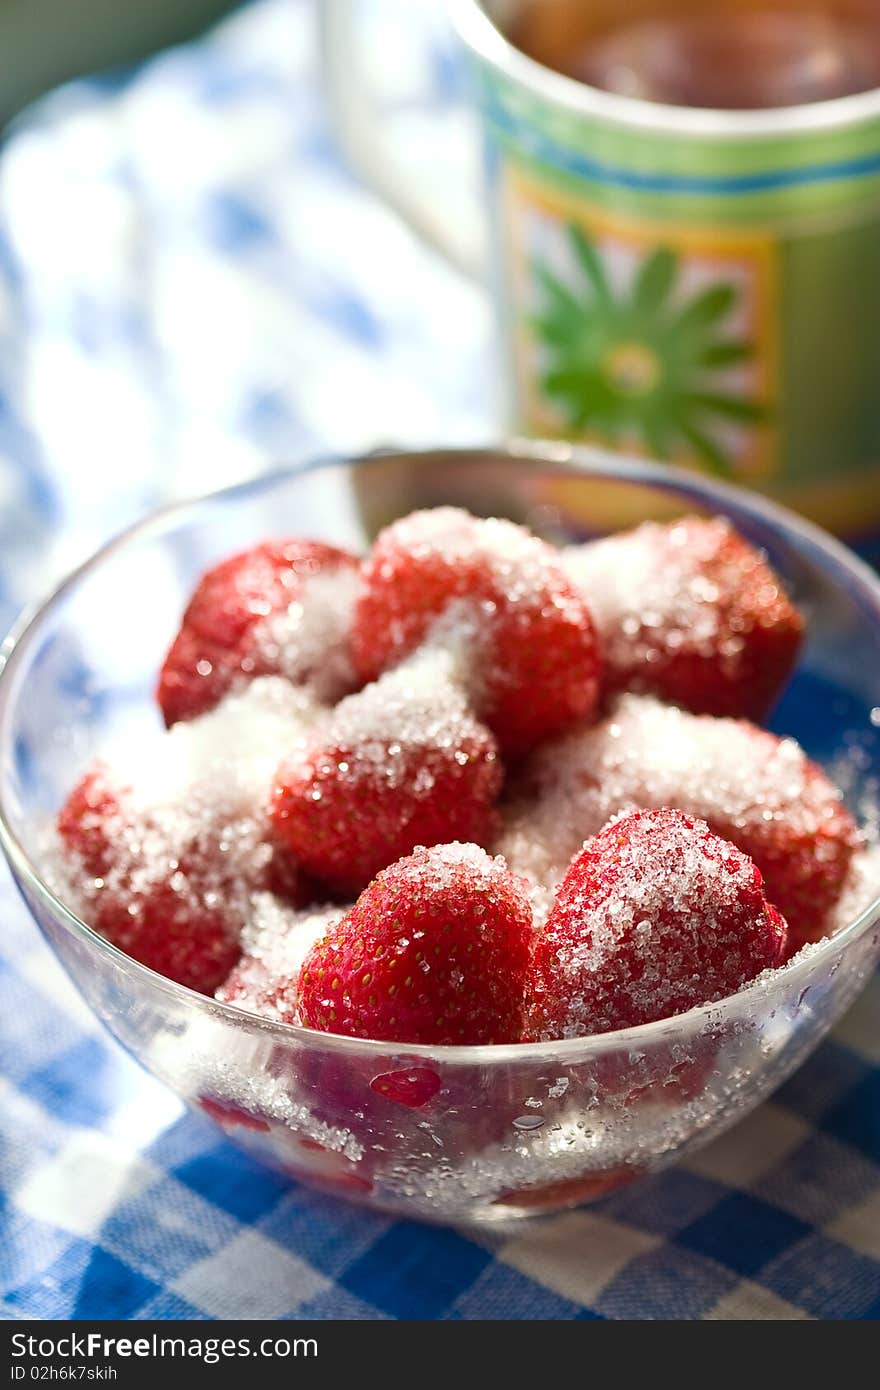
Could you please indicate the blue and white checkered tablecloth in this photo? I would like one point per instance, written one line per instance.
(192, 286)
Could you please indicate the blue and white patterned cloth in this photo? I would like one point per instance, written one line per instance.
(191, 287)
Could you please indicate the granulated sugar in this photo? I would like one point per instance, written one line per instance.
(226, 757)
(641, 603)
(647, 754)
(451, 537)
(416, 706)
(861, 888)
(463, 867)
(308, 642)
(275, 942)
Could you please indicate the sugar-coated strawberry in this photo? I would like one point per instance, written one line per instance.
(86, 820)
(435, 950)
(402, 763)
(692, 613)
(759, 791)
(173, 895)
(168, 857)
(171, 928)
(804, 856)
(655, 916)
(168, 916)
(494, 587)
(282, 608)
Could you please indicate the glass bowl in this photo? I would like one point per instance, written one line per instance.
(443, 1133)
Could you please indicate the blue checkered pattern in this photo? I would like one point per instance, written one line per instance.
(191, 286)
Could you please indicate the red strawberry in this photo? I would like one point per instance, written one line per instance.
(167, 860)
(569, 1192)
(756, 790)
(230, 1115)
(655, 915)
(90, 819)
(170, 925)
(403, 763)
(280, 608)
(692, 613)
(434, 951)
(325, 1168)
(171, 890)
(501, 590)
(804, 856)
(414, 1087)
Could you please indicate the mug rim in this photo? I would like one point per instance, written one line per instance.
(483, 36)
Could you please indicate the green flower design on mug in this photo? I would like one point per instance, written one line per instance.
(642, 362)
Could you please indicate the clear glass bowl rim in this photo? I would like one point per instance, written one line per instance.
(578, 461)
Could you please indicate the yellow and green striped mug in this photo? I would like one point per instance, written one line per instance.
(701, 286)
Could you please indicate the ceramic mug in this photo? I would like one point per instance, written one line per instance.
(699, 286)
